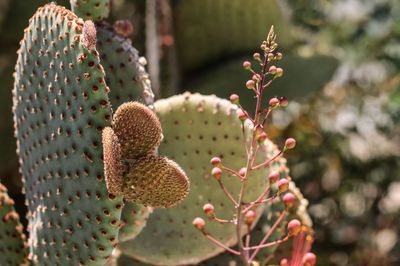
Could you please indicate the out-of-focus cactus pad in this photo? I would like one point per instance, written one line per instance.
(126, 73)
(60, 109)
(95, 10)
(137, 128)
(134, 218)
(155, 181)
(195, 128)
(13, 247)
(113, 164)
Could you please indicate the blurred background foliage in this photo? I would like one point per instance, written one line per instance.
(342, 77)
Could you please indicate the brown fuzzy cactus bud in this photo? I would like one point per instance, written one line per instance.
(123, 27)
(155, 181)
(137, 128)
(113, 166)
(89, 35)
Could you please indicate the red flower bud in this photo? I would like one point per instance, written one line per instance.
(246, 65)
(242, 171)
(272, 70)
(284, 262)
(273, 102)
(273, 176)
(289, 199)
(309, 259)
(283, 185)
(249, 217)
(290, 143)
(242, 114)
(215, 161)
(294, 227)
(199, 223)
(250, 84)
(279, 72)
(256, 56)
(216, 172)
(208, 209)
(234, 98)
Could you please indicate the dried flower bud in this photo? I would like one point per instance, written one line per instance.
(250, 84)
(247, 65)
(257, 56)
(279, 72)
(273, 102)
(309, 259)
(199, 223)
(216, 172)
(273, 177)
(283, 185)
(242, 171)
(234, 98)
(294, 227)
(208, 209)
(249, 217)
(284, 262)
(289, 199)
(215, 161)
(283, 101)
(272, 70)
(290, 143)
(242, 114)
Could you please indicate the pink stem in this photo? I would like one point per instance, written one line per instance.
(227, 193)
(269, 244)
(216, 242)
(267, 161)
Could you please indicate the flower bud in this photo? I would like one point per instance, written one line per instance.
(242, 171)
(278, 56)
(250, 84)
(262, 137)
(216, 172)
(256, 56)
(309, 259)
(256, 77)
(294, 227)
(249, 217)
(290, 143)
(279, 72)
(283, 101)
(273, 177)
(199, 223)
(273, 102)
(215, 161)
(284, 262)
(270, 56)
(234, 98)
(272, 70)
(208, 209)
(289, 199)
(283, 185)
(242, 114)
(246, 65)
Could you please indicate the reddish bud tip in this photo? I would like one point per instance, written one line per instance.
(256, 56)
(294, 227)
(283, 185)
(208, 209)
(272, 70)
(215, 161)
(289, 199)
(242, 171)
(283, 101)
(273, 176)
(250, 84)
(246, 65)
(216, 172)
(199, 223)
(290, 143)
(309, 259)
(234, 98)
(279, 72)
(273, 102)
(249, 217)
(242, 114)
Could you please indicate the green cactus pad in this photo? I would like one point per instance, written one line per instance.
(134, 218)
(60, 108)
(209, 30)
(196, 128)
(126, 73)
(95, 10)
(13, 248)
(137, 128)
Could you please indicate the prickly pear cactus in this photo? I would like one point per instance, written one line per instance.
(60, 108)
(195, 128)
(126, 73)
(13, 247)
(95, 10)
(134, 218)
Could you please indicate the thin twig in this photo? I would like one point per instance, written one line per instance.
(227, 193)
(267, 161)
(216, 242)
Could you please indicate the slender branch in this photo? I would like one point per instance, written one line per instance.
(269, 244)
(259, 199)
(216, 242)
(267, 161)
(227, 193)
(255, 155)
(221, 221)
(233, 172)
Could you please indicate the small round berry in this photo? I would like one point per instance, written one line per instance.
(290, 143)
(216, 172)
(272, 70)
(250, 84)
(289, 200)
(283, 185)
(208, 209)
(249, 217)
(279, 72)
(273, 176)
(234, 98)
(283, 101)
(309, 259)
(199, 223)
(246, 65)
(294, 227)
(256, 56)
(215, 161)
(273, 102)
(242, 171)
